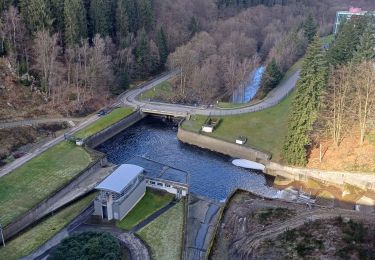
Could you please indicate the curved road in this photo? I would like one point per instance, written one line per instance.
(129, 98)
(274, 97)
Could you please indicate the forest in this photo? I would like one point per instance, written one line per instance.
(335, 98)
(75, 55)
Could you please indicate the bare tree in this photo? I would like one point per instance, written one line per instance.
(364, 82)
(337, 102)
(46, 51)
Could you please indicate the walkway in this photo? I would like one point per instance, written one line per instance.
(27, 122)
(153, 217)
(274, 97)
(128, 98)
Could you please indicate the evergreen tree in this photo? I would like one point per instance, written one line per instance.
(142, 52)
(162, 46)
(132, 11)
(193, 27)
(101, 14)
(75, 21)
(310, 28)
(122, 23)
(366, 48)
(57, 8)
(36, 14)
(271, 77)
(306, 104)
(346, 42)
(145, 15)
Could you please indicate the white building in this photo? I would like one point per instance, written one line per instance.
(126, 186)
(120, 192)
(343, 16)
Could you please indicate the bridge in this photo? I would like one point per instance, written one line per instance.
(130, 98)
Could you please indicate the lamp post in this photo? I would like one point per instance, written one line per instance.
(2, 235)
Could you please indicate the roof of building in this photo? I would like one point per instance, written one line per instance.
(156, 170)
(120, 178)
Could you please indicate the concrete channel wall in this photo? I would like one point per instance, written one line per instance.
(102, 136)
(44, 208)
(221, 146)
(365, 181)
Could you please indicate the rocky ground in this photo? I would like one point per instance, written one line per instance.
(257, 228)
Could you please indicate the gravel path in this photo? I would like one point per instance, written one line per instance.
(32, 122)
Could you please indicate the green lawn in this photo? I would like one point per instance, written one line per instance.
(265, 130)
(163, 90)
(33, 238)
(150, 203)
(29, 184)
(165, 234)
(104, 122)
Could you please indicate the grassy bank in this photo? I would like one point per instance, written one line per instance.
(150, 203)
(265, 130)
(34, 181)
(33, 238)
(163, 91)
(164, 235)
(104, 122)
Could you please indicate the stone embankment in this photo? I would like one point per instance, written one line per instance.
(365, 181)
(223, 147)
(102, 136)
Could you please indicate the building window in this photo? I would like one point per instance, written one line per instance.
(167, 185)
(160, 184)
(152, 182)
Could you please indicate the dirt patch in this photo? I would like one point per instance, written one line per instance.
(329, 239)
(349, 156)
(257, 228)
(13, 140)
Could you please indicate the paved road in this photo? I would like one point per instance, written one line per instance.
(17, 163)
(130, 99)
(26, 122)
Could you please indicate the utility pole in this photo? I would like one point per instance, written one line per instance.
(2, 235)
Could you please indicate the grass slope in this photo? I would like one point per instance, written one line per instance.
(29, 184)
(163, 90)
(33, 238)
(104, 122)
(150, 203)
(164, 235)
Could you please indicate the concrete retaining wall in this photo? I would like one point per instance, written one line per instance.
(44, 208)
(102, 136)
(365, 181)
(223, 147)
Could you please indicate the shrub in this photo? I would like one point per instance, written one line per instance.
(87, 245)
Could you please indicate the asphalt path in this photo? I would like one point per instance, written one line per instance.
(31, 122)
(130, 98)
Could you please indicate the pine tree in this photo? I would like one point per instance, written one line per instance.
(101, 14)
(145, 15)
(132, 11)
(366, 47)
(163, 46)
(271, 77)
(346, 42)
(310, 27)
(142, 52)
(75, 21)
(57, 8)
(193, 26)
(306, 104)
(36, 14)
(122, 22)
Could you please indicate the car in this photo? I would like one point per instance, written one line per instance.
(101, 113)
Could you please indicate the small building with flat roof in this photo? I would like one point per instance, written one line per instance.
(120, 192)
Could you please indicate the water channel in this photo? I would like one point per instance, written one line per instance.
(211, 175)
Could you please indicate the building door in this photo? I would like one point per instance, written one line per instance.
(104, 212)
